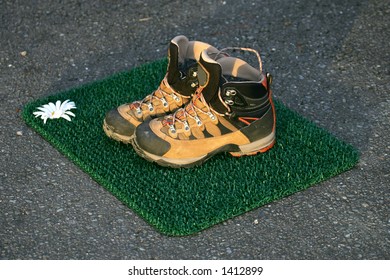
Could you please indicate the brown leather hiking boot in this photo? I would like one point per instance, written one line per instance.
(175, 90)
(232, 111)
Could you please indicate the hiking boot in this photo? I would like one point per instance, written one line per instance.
(174, 91)
(231, 111)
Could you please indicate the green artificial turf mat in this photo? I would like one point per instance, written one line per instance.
(185, 201)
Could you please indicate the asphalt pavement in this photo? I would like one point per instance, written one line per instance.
(330, 62)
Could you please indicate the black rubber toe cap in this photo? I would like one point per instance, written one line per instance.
(118, 124)
(150, 142)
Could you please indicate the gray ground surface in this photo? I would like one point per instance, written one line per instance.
(330, 62)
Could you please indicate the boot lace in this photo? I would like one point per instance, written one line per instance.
(159, 94)
(191, 110)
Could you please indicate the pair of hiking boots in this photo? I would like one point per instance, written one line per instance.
(207, 103)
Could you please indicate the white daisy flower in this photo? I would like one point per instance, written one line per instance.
(56, 111)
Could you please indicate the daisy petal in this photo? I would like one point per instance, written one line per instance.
(46, 107)
(66, 117)
(69, 106)
(52, 107)
(58, 105)
(70, 113)
(63, 105)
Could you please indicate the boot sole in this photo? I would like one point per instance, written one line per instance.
(117, 137)
(259, 146)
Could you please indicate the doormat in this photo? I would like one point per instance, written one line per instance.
(181, 202)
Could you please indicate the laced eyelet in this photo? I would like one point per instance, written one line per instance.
(164, 102)
(198, 121)
(186, 126)
(150, 106)
(212, 117)
(193, 85)
(172, 128)
(138, 111)
(194, 74)
(175, 97)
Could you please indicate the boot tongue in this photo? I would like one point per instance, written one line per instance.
(203, 76)
(209, 77)
(181, 74)
(173, 64)
(209, 74)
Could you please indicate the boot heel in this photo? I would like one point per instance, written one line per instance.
(259, 146)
